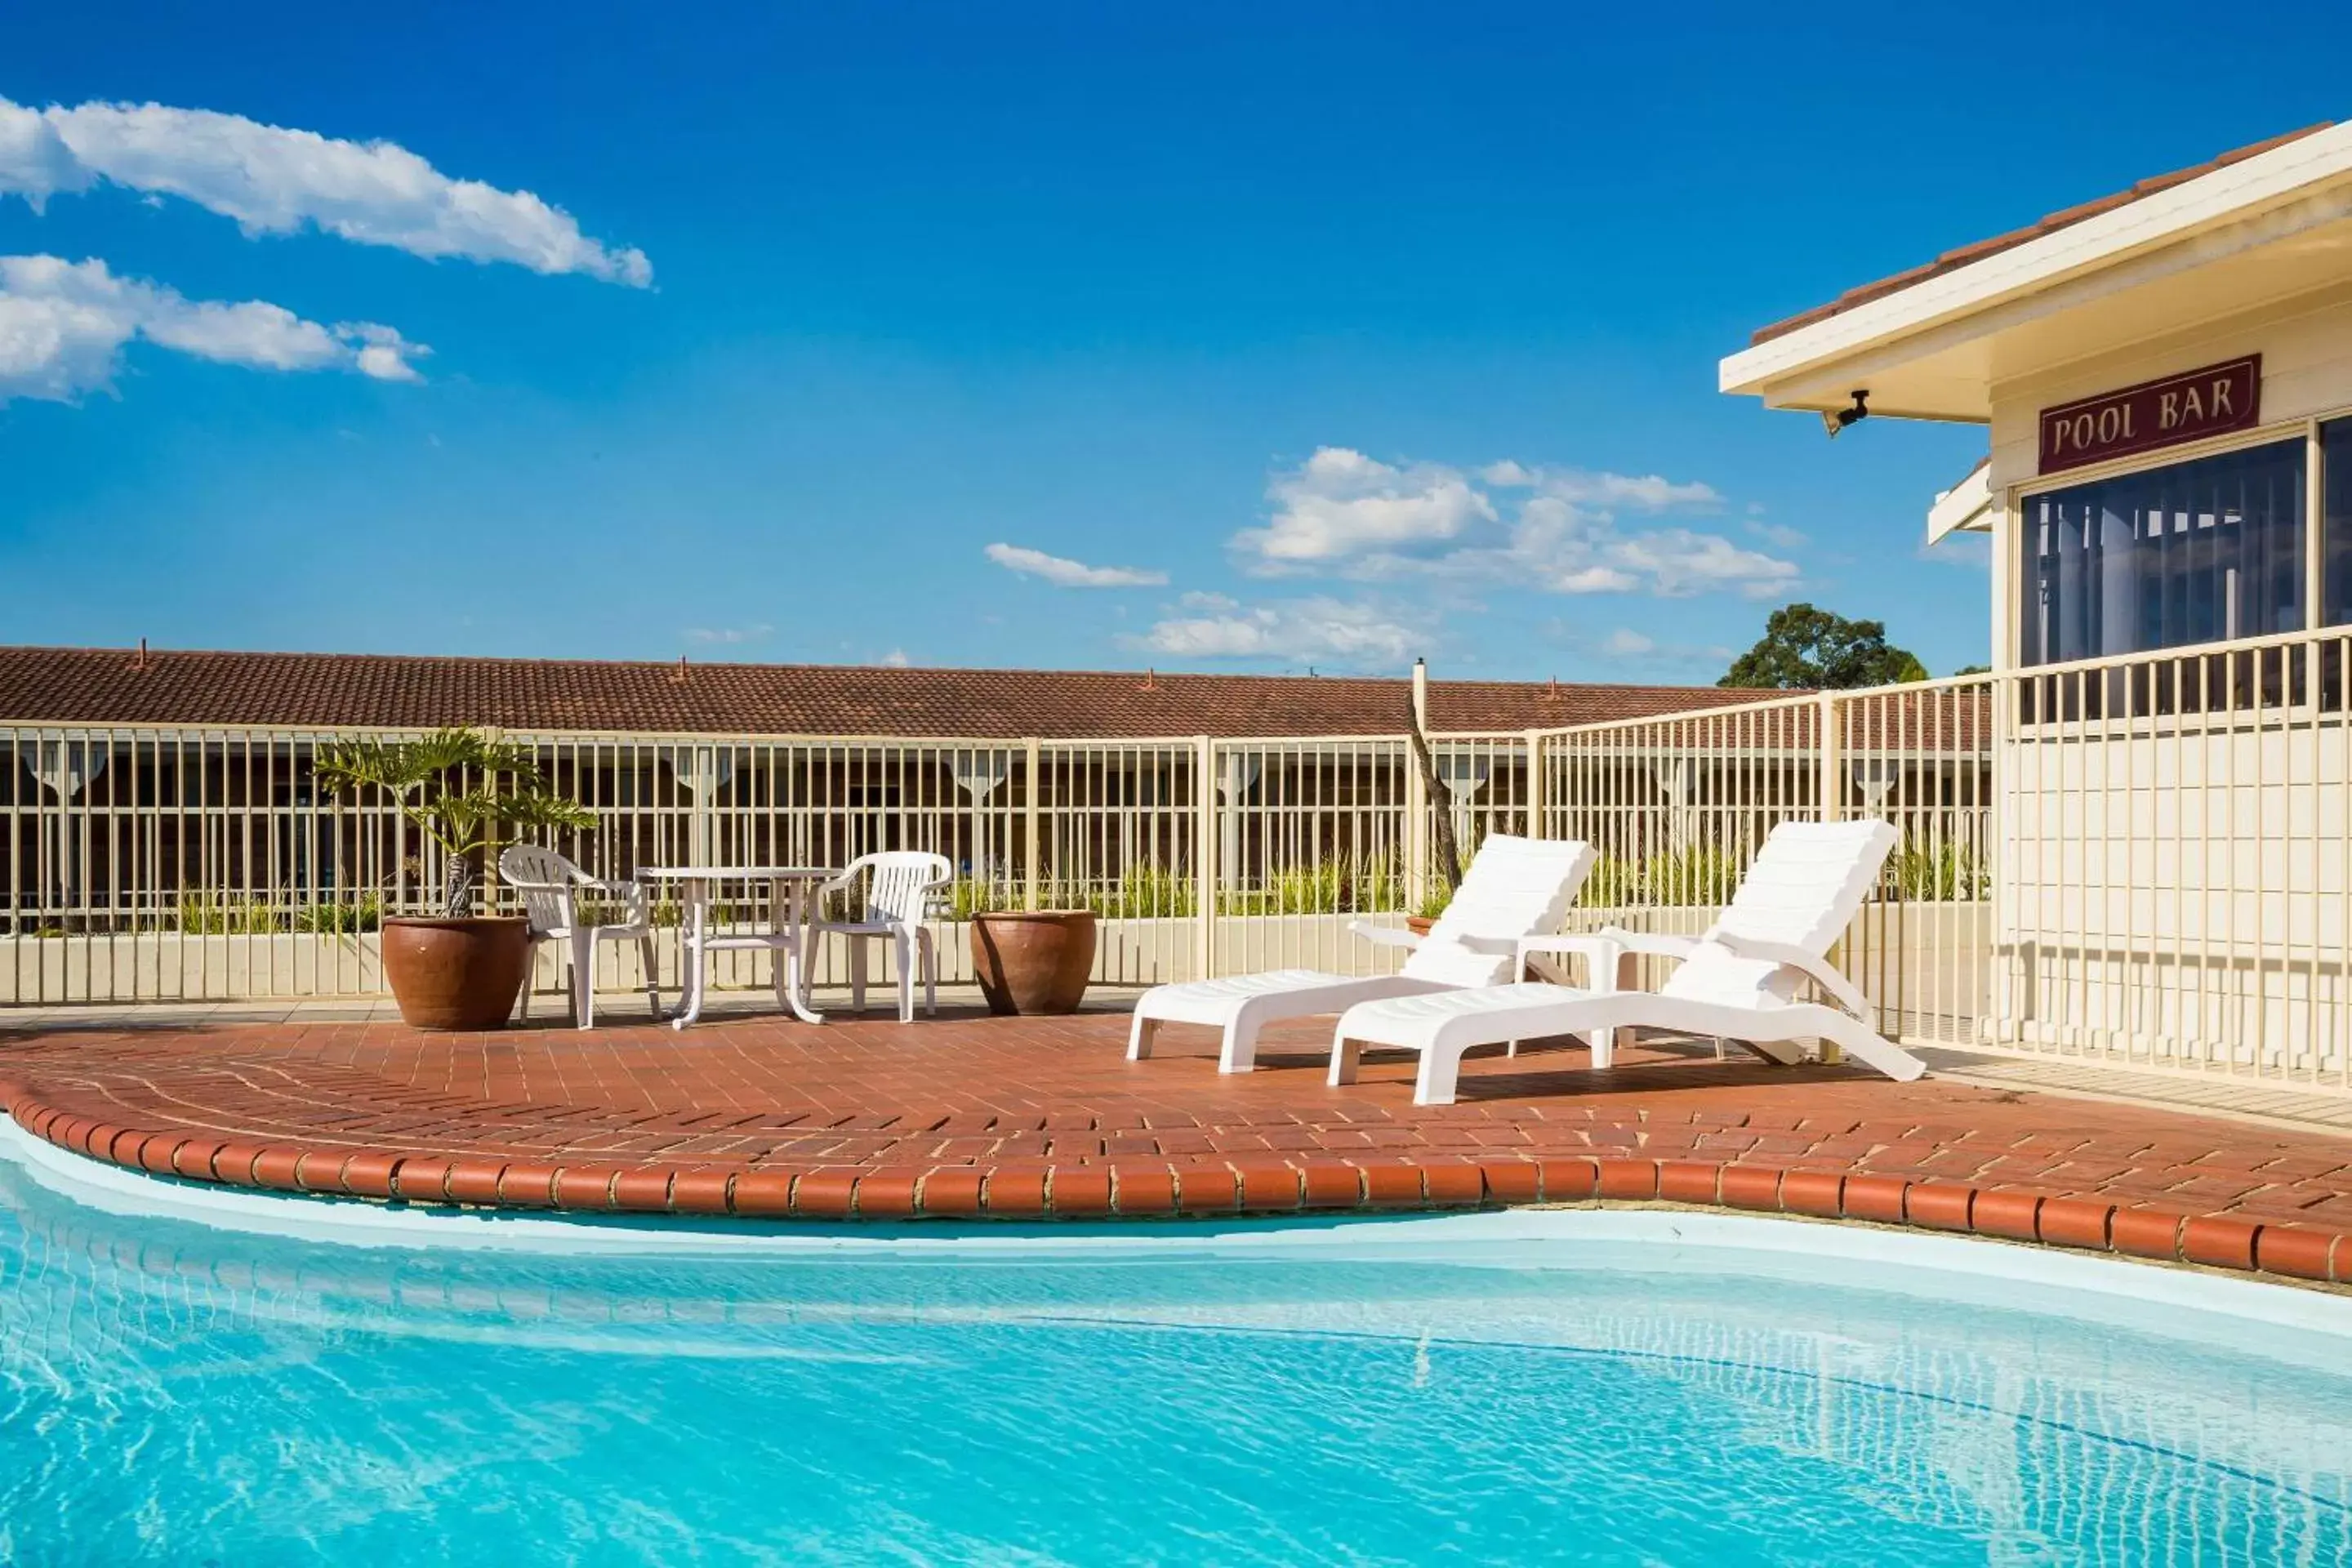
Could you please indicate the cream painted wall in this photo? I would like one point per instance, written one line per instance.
(2306, 350)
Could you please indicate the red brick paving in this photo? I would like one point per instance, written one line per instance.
(1019, 1119)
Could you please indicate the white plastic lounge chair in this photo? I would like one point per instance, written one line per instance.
(1735, 981)
(1515, 887)
(551, 887)
(896, 902)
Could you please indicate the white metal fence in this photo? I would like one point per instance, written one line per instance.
(142, 864)
(2144, 861)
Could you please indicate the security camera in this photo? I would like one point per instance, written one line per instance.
(1836, 419)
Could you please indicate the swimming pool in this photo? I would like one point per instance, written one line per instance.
(1431, 1391)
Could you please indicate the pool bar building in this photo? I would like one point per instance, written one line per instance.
(2165, 376)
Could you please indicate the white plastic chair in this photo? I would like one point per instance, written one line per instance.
(1735, 981)
(897, 899)
(1515, 887)
(551, 887)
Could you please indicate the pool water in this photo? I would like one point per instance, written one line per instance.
(174, 1393)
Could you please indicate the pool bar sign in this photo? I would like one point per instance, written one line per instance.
(2210, 401)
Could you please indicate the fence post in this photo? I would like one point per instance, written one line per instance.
(1832, 756)
(1204, 856)
(1416, 831)
(1035, 854)
(1535, 784)
(1833, 789)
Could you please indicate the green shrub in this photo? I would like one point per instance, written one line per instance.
(1944, 871)
(363, 913)
(1371, 884)
(1696, 874)
(1147, 892)
(1294, 891)
(220, 914)
(1615, 884)
(969, 896)
(664, 913)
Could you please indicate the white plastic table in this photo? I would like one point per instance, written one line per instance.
(787, 936)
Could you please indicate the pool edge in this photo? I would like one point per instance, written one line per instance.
(179, 1175)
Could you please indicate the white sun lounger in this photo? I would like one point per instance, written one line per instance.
(1515, 888)
(1735, 981)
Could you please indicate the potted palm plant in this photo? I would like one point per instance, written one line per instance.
(463, 790)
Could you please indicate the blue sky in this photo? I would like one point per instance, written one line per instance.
(1255, 337)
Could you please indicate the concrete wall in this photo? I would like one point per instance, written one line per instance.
(169, 966)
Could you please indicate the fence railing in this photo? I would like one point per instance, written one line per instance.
(2144, 861)
(142, 864)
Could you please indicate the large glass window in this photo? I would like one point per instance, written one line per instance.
(2335, 464)
(2194, 552)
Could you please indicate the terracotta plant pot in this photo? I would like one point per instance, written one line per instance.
(1033, 960)
(1419, 924)
(457, 974)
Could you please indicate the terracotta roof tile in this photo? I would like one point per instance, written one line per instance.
(1952, 260)
(294, 690)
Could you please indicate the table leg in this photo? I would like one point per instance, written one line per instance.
(692, 957)
(791, 904)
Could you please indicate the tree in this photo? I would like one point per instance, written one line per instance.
(447, 783)
(1448, 852)
(1804, 647)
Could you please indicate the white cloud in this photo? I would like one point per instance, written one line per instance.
(897, 659)
(729, 635)
(1507, 475)
(1676, 562)
(1560, 530)
(1317, 630)
(1588, 486)
(1647, 654)
(1067, 573)
(63, 325)
(272, 180)
(1776, 533)
(1341, 503)
(1592, 580)
(1626, 643)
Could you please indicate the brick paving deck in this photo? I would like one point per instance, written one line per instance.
(969, 1117)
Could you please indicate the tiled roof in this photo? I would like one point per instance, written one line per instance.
(109, 686)
(1952, 260)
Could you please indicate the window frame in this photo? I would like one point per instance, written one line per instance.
(2015, 561)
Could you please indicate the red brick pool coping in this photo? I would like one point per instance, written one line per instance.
(974, 1118)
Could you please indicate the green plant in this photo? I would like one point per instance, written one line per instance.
(665, 912)
(363, 913)
(1375, 884)
(1147, 892)
(1945, 871)
(222, 914)
(970, 896)
(1347, 885)
(1313, 890)
(460, 788)
(1614, 884)
(1697, 873)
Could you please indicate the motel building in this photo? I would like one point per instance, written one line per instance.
(2165, 379)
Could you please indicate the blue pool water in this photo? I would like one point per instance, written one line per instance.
(174, 1392)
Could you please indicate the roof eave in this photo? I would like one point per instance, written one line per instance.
(1966, 506)
(1797, 368)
